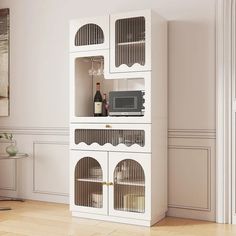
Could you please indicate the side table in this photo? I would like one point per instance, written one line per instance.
(4, 156)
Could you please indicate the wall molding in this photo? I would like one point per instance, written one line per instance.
(36, 130)
(172, 133)
(208, 150)
(192, 133)
(34, 155)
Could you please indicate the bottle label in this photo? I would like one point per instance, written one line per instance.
(98, 107)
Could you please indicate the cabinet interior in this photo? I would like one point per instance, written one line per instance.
(88, 72)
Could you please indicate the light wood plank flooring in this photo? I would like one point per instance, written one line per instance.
(33, 218)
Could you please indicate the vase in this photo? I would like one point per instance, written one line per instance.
(12, 149)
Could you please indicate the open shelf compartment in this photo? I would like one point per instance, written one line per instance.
(88, 72)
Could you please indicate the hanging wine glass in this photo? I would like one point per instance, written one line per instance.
(100, 70)
(92, 71)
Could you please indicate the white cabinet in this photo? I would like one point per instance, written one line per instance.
(130, 41)
(118, 164)
(107, 183)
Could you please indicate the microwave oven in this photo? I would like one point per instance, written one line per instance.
(126, 103)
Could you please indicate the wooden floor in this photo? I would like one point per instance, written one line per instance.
(34, 218)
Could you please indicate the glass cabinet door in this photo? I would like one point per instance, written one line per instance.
(111, 137)
(88, 183)
(90, 191)
(130, 42)
(129, 187)
(89, 34)
(129, 193)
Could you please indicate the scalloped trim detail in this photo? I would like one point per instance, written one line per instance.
(121, 144)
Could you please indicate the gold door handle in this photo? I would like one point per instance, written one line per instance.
(108, 126)
(107, 183)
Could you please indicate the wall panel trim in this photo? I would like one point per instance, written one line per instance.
(34, 184)
(192, 133)
(208, 149)
(182, 133)
(36, 130)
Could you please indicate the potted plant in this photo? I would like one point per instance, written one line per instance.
(12, 148)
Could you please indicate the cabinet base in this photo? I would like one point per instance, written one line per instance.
(118, 219)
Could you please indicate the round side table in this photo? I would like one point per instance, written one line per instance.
(4, 156)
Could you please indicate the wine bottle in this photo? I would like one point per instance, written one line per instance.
(104, 105)
(97, 101)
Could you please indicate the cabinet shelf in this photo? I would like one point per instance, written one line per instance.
(93, 180)
(131, 210)
(112, 119)
(131, 182)
(131, 43)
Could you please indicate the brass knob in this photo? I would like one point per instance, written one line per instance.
(108, 126)
(104, 183)
(109, 183)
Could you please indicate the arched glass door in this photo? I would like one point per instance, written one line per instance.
(129, 187)
(88, 183)
(89, 34)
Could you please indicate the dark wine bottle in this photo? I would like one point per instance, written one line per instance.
(104, 105)
(97, 101)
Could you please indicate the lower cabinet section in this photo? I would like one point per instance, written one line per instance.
(111, 184)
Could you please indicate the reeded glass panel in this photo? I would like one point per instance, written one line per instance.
(88, 183)
(129, 187)
(89, 34)
(114, 137)
(130, 41)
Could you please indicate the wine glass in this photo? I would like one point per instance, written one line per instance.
(100, 70)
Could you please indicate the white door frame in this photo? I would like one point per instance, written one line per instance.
(224, 49)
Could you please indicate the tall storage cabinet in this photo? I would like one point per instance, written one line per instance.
(118, 164)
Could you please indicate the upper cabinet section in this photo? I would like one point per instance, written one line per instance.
(130, 41)
(89, 34)
(133, 39)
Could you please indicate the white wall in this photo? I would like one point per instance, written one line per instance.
(40, 100)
